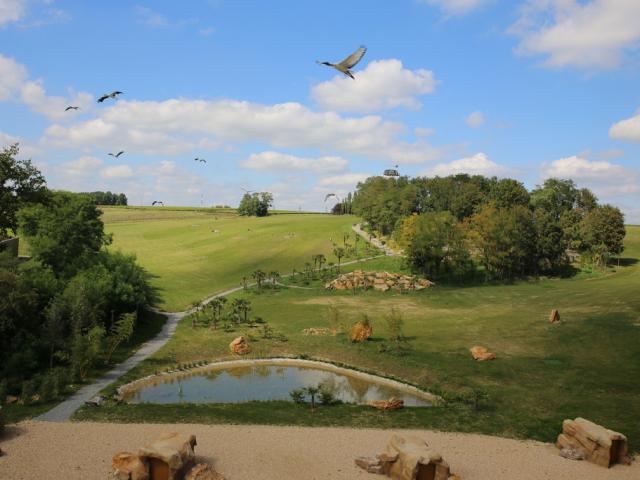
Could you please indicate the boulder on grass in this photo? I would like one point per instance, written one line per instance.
(129, 466)
(239, 346)
(481, 353)
(360, 331)
(554, 317)
(600, 446)
(391, 404)
(170, 456)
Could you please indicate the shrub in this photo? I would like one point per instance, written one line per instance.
(297, 395)
(47, 387)
(28, 391)
(327, 398)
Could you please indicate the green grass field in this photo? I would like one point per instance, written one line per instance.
(586, 366)
(193, 253)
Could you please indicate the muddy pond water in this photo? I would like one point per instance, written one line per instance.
(266, 382)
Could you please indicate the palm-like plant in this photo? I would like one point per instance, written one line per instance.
(312, 392)
(339, 252)
(258, 276)
(243, 283)
(274, 276)
(321, 260)
(241, 308)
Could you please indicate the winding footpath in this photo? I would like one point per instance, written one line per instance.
(64, 410)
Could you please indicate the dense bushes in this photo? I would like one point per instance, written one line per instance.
(256, 204)
(449, 224)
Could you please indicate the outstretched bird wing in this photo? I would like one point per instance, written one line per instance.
(353, 59)
(119, 153)
(328, 196)
(103, 98)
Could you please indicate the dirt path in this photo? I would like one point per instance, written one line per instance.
(83, 451)
(375, 242)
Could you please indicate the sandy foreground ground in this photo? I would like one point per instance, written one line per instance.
(42, 450)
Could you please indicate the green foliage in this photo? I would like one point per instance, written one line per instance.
(327, 398)
(297, 395)
(86, 349)
(21, 184)
(29, 389)
(107, 198)
(255, 204)
(121, 331)
(603, 231)
(65, 235)
(395, 322)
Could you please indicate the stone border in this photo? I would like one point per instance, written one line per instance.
(282, 361)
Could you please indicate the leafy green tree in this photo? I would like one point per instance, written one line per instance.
(67, 234)
(603, 232)
(256, 204)
(86, 350)
(507, 192)
(121, 331)
(21, 184)
(555, 196)
(259, 276)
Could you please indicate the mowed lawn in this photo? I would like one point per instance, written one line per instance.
(193, 253)
(588, 365)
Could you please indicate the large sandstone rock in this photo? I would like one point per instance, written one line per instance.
(239, 346)
(600, 446)
(360, 331)
(481, 353)
(380, 281)
(407, 458)
(391, 404)
(170, 456)
(203, 471)
(554, 317)
(128, 466)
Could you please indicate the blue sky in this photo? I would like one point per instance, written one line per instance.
(525, 89)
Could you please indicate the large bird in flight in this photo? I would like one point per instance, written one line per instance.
(348, 63)
(113, 95)
(157, 202)
(116, 155)
(201, 160)
(71, 107)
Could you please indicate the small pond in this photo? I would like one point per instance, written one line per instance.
(265, 382)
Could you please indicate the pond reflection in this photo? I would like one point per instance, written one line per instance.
(264, 382)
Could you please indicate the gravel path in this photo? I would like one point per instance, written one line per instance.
(83, 451)
(375, 242)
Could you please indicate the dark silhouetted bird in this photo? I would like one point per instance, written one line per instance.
(70, 107)
(348, 63)
(157, 202)
(113, 95)
(116, 155)
(201, 160)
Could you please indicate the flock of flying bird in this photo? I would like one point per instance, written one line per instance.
(344, 67)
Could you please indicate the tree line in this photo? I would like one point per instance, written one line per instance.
(462, 226)
(107, 198)
(65, 311)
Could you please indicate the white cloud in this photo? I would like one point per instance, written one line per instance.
(11, 11)
(424, 131)
(27, 150)
(12, 77)
(345, 180)
(383, 85)
(628, 129)
(478, 164)
(584, 34)
(475, 119)
(271, 161)
(15, 85)
(83, 166)
(150, 17)
(117, 171)
(456, 7)
(177, 125)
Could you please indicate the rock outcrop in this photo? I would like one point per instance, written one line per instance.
(481, 353)
(203, 471)
(407, 458)
(597, 444)
(360, 331)
(240, 346)
(129, 466)
(379, 281)
(391, 404)
(170, 456)
(554, 317)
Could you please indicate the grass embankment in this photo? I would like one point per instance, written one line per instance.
(148, 327)
(587, 365)
(195, 253)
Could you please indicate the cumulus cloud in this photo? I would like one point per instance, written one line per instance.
(176, 125)
(478, 164)
(15, 85)
(383, 85)
(456, 7)
(424, 131)
(11, 11)
(27, 150)
(628, 129)
(475, 119)
(591, 34)
(273, 161)
(117, 171)
(80, 167)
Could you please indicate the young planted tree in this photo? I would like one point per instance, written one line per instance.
(121, 331)
(395, 323)
(274, 276)
(259, 276)
(312, 392)
(339, 252)
(321, 261)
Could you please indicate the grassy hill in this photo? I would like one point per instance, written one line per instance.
(196, 252)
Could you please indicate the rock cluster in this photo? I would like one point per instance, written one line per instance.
(239, 346)
(582, 438)
(203, 471)
(380, 281)
(407, 458)
(360, 331)
(481, 353)
(391, 404)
